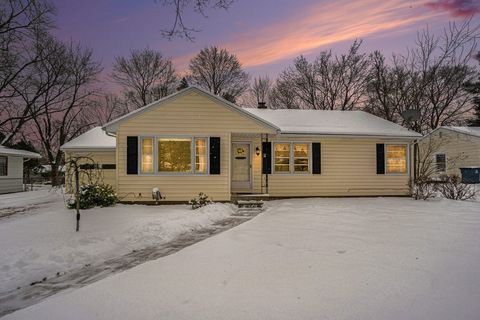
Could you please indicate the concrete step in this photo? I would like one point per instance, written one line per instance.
(250, 203)
(248, 197)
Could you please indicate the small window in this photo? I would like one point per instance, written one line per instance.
(200, 155)
(300, 157)
(146, 163)
(441, 162)
(109, 166)
(88, 166)
(3, 166)
(282, 157)
(174, 155)
(396, 158)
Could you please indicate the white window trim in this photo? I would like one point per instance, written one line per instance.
(436, 167)
(291, 167)
(192, 155)
(407, 146)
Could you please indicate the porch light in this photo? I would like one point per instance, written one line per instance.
(257, 151)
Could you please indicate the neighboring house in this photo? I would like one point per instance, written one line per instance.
(96, 145)
(11, 168)
(453, 148)
(193, 141)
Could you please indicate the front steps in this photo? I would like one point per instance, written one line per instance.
(249, 204)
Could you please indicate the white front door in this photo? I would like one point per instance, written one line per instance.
(241, 167)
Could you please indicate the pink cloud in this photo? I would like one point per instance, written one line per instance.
(456, 8)
(320, 26)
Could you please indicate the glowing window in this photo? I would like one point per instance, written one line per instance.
(175, 155)
(200, 155)
(300, 157)
(146, 163)
(282, 157)
(396, 158)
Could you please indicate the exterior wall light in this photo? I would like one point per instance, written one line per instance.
(257, 151)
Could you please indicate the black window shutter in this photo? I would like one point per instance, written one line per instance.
(380, 158)
(316, 158)
(266, 157)
(214, 155)
(132, 155)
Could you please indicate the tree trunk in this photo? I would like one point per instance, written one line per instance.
(54, 174)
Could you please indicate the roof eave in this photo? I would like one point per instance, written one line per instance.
(86, 148)
(15, 154)
(359, 135)
(450, 129)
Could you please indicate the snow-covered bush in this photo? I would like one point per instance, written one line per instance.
(422, 188)
(453, 188)
(95, 195)
(200, 201)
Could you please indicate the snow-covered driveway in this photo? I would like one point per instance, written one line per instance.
(390, 258)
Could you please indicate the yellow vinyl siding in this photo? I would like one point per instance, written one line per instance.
(461, 150)
(348, 169)
(107, 176)
(192, 114)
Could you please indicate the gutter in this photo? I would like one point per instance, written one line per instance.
(350, 135)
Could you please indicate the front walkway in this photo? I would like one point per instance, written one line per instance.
(25, 296)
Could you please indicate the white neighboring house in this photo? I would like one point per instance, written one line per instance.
(457, 147)
(11, 168)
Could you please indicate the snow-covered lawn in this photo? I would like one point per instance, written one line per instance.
(367, 258)
(42, 241)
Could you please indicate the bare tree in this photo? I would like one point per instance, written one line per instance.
(259, 91)
(392, 88)
(107, 108)
(331, 82)
(261, 88)
(22, 22)
(283, 96)
(473, 87)
(179, 28)
(302, 78)
(66, 70)
(146, 75)
(219, 72)
(342, 79)
(431, 79)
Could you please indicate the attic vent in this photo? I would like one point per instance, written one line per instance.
(262, 105)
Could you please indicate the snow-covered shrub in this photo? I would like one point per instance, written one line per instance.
(453, 188)
(200, 201)
(95, 195)
(422, 188)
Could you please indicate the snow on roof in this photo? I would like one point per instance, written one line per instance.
(95, 138)
(473, 131)
(20, 153)
(329, 122)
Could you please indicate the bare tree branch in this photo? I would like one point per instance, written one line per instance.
(146, 75)
(179, 29)
(219, 72)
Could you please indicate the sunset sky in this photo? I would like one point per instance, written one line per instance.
(265, 34)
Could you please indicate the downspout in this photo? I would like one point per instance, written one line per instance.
(415, 157)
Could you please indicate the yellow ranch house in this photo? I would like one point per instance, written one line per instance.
(193, 141)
